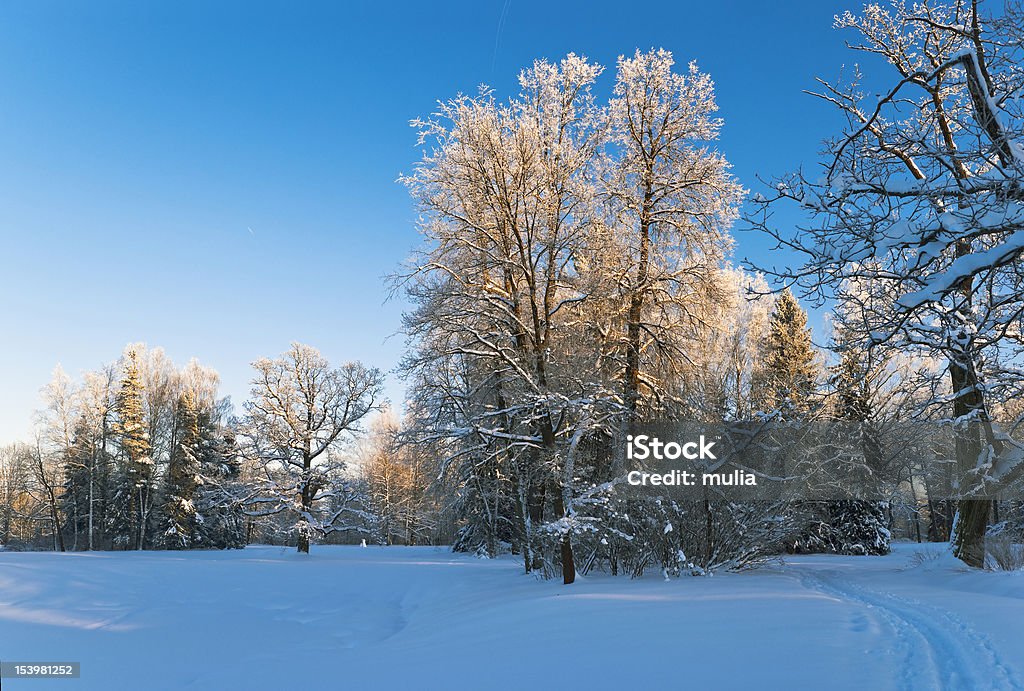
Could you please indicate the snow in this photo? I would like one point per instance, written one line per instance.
(424, 618)
(963, 267)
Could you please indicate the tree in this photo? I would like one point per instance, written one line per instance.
(858, 524)
(182, 476)
(48, 489)
(135, 483)
(507, 209)
(921, 200)
(220, 496)
(565, 263)
(300, 414)
(673, 202)
(14, 483)
(396, 483)
(789, 367)
(97, 402)
(76, 501)
(724, 359)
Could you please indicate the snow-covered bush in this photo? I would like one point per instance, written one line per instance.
(843, 527)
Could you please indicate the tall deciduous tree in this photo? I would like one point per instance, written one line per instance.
(673, 201)
(570, 251)
(921, 200)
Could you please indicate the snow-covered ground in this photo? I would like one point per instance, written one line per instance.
(424, 618)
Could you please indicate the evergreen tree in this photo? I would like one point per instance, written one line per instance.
(182, 478)
(220, 521)
(790, 366)
(852, 526)
(78, 484)
(132, 497)
(203, 488)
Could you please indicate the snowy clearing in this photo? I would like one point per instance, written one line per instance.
(421, 617)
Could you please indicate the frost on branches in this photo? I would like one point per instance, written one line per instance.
(918, 222)
(301, 413)
(573, 251)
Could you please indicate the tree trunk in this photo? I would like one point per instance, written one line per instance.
(92, 499)
(568, 560)
(972, 514)
(305, 496)
(631, 377)
(971, 525)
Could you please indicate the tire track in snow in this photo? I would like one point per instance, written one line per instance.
(956, 656)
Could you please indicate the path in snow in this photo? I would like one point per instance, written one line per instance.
(940, 651)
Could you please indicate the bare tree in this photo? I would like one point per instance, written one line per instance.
(15, 475)
(672, 203)
(921, 206)
(301, 413)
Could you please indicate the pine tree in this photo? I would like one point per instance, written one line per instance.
(790, 366)
(136, 470)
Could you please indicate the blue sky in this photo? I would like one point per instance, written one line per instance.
(219, 178)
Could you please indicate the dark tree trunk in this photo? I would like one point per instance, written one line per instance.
(972, 514)
(631, 376)
(568, 560)
(306, 499)
(971, 525)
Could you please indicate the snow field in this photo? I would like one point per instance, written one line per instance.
(424, 618)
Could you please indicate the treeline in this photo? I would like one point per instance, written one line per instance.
(138, 455)
(143, 455)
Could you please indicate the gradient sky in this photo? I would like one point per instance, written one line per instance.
(219, 178)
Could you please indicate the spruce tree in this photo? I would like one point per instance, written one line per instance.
(182, 478)
(136, 464)
(857, 526)
(78, 484)
(789, 365)
(218, 496)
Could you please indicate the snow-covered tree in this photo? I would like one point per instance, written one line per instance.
(396, 483)
(673, 200)
(507, 208)
(183, 476)
(15, 477)
(790, 366)
(301, 413)
(133, 496)
(920, 197)
(566, 255)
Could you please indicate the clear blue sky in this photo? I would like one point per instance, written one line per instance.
(218, 178)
